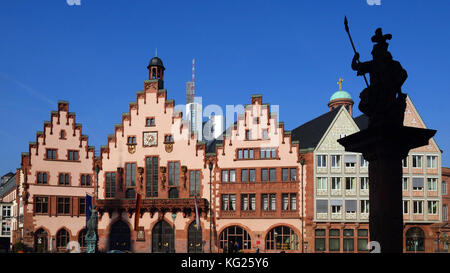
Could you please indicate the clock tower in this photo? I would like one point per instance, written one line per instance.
(156, 71)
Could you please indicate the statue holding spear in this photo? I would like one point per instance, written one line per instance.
(382, 101)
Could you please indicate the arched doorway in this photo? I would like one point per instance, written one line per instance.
(415, 239)
(281, 238)
(162, 238)
(62, 239)
(195, 238)
(40, 241)
(235, 238)
(120, 236)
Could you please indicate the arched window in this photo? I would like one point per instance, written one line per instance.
(282, 238)
(81, 238)
(62, 238)
(40, 241)
(162, 238)
(120, 236)
(234, 238)
(194, 238)
(415, 239)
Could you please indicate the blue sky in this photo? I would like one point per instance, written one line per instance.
(293, 52)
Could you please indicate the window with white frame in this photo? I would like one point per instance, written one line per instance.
(431, 161)
(350, 183)
(289, 201)
(229, 202)
(232, 175)
(248, 202)
(417, 161)
(363, 163)
(321, 161)
(432, 207)
(418, 207)
(336, 207)
(350, 161)
(6, 229)
(228, 175)
(444, 213)
(405, 162)
(322, 183)
(364, 206)
(432, 184)
(268, 202)
(405, 183)
(268, 153)
(417, 183)
(335, 161)
(350, 206)
(336, 183)
(6, 211)
(364, 183)
(405, 207)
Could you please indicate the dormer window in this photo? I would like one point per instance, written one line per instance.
(168, 139)
(150, 121)
(131, 140)
(247, 135)
(62, 134)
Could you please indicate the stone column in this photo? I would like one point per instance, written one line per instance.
(384, 148)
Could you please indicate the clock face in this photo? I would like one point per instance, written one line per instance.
(150, 139)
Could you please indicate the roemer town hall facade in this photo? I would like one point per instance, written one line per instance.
(259, 187)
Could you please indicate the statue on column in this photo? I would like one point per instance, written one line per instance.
(91, 237)
(382, 101)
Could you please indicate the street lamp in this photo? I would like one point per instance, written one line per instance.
(437, 233)
(210, 206)
(174, 215)
(302, 163)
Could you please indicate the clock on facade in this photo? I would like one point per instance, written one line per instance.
(150, 139)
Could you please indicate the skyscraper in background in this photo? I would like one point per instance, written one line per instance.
(193, 106)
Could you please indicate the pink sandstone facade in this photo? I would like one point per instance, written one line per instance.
(58, 173)
(152, 153)
(257, 184)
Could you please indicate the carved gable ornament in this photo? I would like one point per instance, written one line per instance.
(340, 128)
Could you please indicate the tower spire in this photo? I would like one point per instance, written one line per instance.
(156, 52)
(193, 69)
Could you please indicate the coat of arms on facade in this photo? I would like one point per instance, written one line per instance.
(169, 147)
(131, 148)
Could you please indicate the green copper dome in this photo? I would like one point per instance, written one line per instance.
(341, 94)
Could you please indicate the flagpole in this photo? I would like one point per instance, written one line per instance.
(210, 206)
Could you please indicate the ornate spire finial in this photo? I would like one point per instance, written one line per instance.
(340, 83)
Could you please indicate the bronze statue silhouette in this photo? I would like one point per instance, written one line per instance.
(382, 101)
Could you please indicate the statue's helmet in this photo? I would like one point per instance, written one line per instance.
(380, 48)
